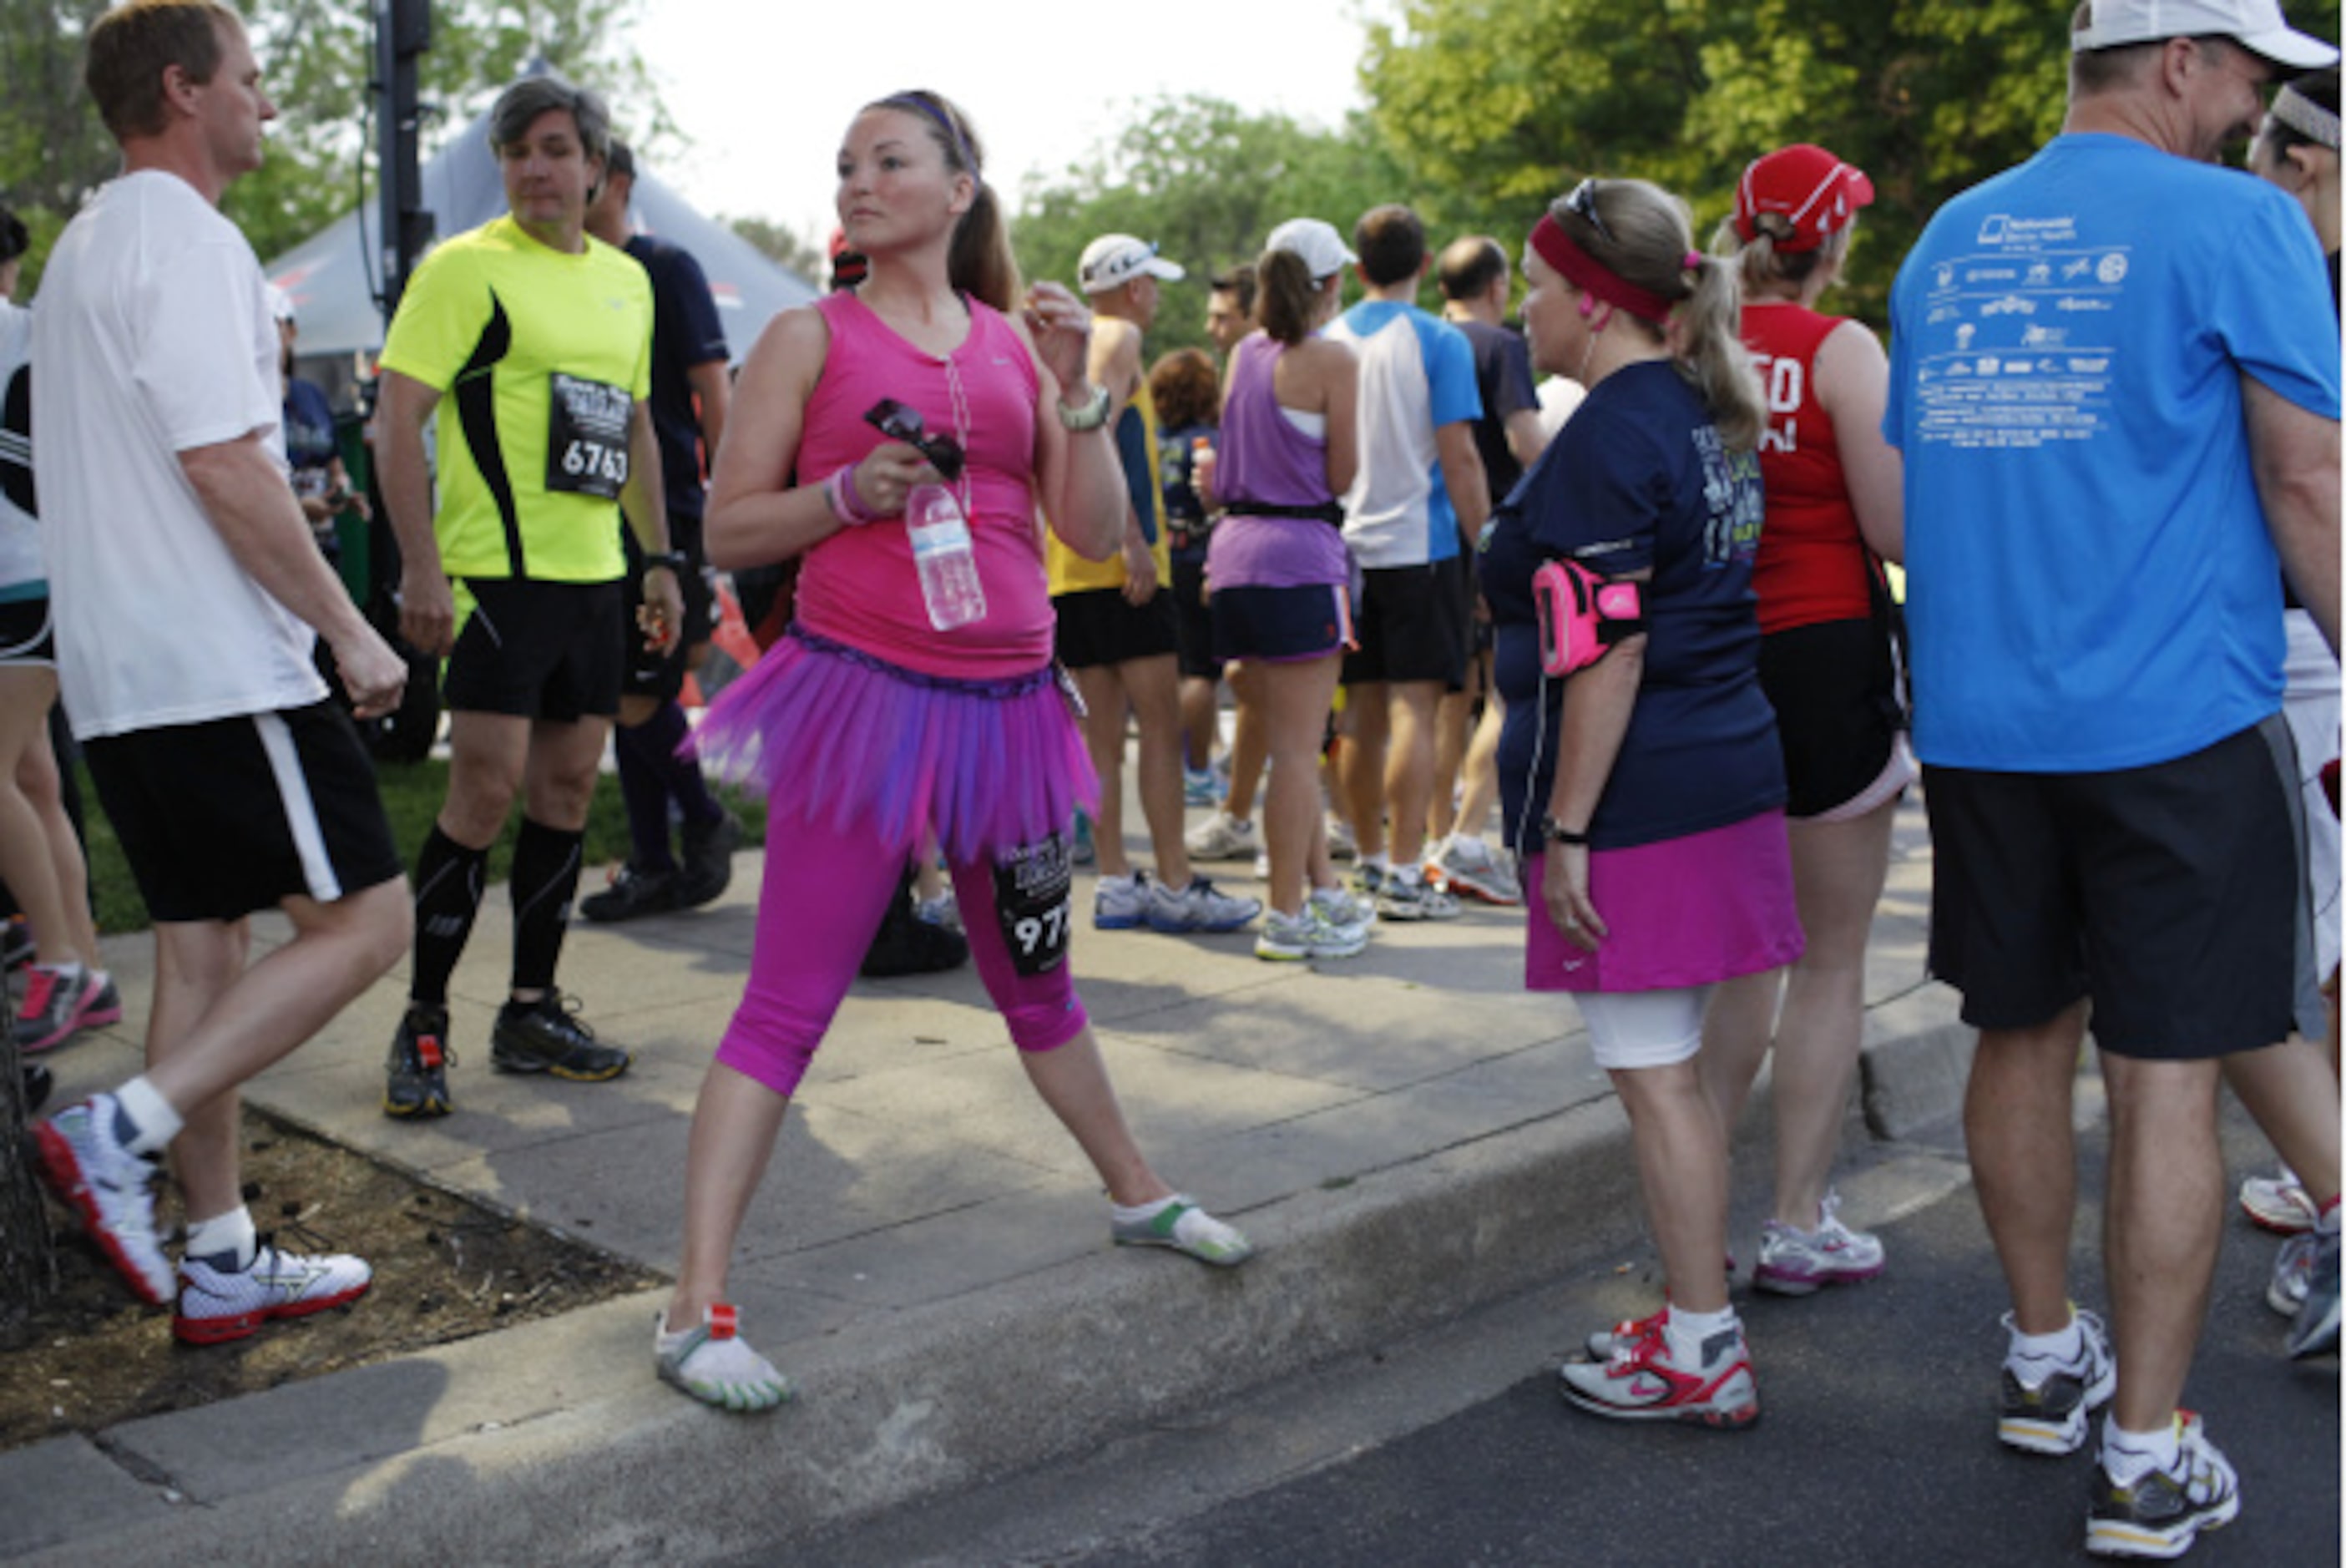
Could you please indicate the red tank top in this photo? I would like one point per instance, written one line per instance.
(1814, 565)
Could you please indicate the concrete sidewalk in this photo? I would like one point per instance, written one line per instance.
(1403, 1135)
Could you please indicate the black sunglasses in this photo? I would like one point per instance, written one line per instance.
(899, 422)
(1583, 200)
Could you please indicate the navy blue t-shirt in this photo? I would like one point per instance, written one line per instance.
(686, 333)
(1502, 370)
(308, 418)
(1638, 478)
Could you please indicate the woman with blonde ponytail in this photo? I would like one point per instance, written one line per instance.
(1643, 784)
(1830, 668)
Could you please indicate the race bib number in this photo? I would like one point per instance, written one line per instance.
(1034, 888)
(587, 437)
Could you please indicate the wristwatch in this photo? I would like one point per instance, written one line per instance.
(1556, 832)
(1091, 415)
(674, 560)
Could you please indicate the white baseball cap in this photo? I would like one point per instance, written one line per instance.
(1314, 239)
(2257, 25)
(1112, 261)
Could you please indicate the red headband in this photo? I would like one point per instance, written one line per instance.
(1585, 272)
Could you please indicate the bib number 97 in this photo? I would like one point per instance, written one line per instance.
(1034, 889)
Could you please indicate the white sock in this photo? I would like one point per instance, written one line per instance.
(67, 971)
(230, 1233)
(1686, 1331)
(2064, 1346)
(1128, 880)
(2326, 1222)
(152, 1123)
(2129, 1456)
(1379, 862)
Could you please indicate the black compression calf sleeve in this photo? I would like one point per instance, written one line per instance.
(545, 877)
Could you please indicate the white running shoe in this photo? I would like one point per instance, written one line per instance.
(1121, 903)
(1404, 897)
(1796, 1262)
(1222, 837)
(1289, 938)
(1637, 1380)
(1467, 866)
(1342, 844)
(217, 1305)
(2047, 1404)
(2279, 1202)
(1344, 910)
(1200, 906)
(112, 1190)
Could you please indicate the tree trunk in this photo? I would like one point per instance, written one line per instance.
(28, 1265)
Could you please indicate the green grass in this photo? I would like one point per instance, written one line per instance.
(412, 797)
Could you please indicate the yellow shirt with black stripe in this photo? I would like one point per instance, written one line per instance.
(532, 350)
(1070, 573)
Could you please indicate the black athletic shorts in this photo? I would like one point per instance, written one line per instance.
(1193, 617)
(1834, 686)
(1412, 626)
(222, 818)
(660, 675)
(2172, 895)
(28, 637)
(1098, 626)
(538, 650)
(1281, 625)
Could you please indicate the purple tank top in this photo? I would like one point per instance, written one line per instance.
(1263, 457)
(859, 586)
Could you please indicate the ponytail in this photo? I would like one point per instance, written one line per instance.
(1707, 332)
(1286, 297)
(981, 262)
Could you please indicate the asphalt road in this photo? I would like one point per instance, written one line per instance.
(1876, 1443)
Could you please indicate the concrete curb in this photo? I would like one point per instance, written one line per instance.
(492, 1449)
(503, 1449)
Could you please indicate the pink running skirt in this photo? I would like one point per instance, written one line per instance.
(1683, 913)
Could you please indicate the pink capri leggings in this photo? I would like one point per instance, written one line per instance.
(823, 895)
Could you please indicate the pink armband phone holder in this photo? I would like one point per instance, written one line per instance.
(1582, 615)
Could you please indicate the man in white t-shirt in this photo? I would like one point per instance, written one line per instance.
(1416, 506)
(186, 590)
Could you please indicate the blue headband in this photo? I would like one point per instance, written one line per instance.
(923, 103)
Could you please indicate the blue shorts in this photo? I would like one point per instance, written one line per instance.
(1281, 625)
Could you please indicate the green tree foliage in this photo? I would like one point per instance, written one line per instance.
(807, 257)
(1207, 180)
(317, 60)
(1512, 100)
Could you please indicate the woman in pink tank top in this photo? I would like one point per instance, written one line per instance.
(868, 724)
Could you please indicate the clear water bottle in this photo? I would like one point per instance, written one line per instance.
(943, 553)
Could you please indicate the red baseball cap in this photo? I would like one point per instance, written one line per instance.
(1807, 185)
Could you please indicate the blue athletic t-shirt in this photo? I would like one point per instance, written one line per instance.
(2090, 582)
(1639, 478)
(1417, 374)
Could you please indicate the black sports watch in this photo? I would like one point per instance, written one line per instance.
(674, 560)
(1556, 832)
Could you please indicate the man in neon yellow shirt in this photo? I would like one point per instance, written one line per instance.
(530, 344)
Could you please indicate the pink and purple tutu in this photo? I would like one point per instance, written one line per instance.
(852, 743)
